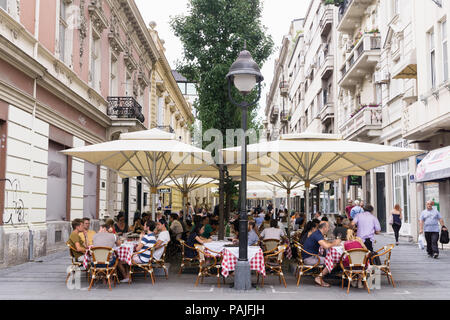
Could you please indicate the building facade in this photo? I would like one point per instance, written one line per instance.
(72, 73)
(375, 71)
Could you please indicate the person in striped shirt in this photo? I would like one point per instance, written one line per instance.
(146, 242)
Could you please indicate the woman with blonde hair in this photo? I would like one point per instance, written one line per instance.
(396, 221)
(353, 242)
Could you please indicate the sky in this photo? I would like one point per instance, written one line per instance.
(277, 16)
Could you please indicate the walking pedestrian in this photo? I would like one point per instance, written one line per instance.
(396, 221)
(357, 209)
(349, 208)
(368, 225)
(429, 223)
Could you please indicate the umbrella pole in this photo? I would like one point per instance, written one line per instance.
(307, 185)
(154, 196)
(288, 215)
(185, 196)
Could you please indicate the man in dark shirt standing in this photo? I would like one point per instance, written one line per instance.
(312, 245)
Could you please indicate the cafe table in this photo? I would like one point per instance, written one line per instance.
(255, 257)
(333, 257)
(124, 253)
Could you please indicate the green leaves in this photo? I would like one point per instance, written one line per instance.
(213, 34)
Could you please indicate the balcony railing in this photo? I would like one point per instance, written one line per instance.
(351, 12)
(367, 119)
(125, 107)
(369, 45)
(343, 8)
(166, 128)
(284, 116)
(284, 88)
(274, 114)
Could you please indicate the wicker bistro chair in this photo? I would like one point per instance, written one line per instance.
(270, 245)
(386, 266)
(147, 268)
(76, 265)
(161, 262)
(101, 265)
(303, 268)
(273, 261)
(207, 262)
(187, 261)
(358, 260)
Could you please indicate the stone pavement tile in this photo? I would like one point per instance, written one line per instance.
(416, 277)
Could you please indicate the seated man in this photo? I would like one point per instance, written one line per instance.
(163, 239)
(207, 227)
(312, 245)
(273, 232)
(105, 239)
(146, 242)
(175, 226)
(75, 241)
(340, 230)
(87, 235)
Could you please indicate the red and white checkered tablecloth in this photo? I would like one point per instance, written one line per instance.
(124, 253)
(229, 262)
(333, 257)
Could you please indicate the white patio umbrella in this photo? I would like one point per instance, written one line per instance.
(314, 158)
(153, 154)
(189, 183)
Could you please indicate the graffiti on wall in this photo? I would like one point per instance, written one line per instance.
(14, 206)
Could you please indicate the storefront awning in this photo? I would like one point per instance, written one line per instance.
(407, 69)
(435, 166)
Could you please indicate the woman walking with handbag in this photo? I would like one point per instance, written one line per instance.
(396, 221)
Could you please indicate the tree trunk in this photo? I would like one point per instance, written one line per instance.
(228, 199)
(221, 202)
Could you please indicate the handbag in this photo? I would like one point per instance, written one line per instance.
(391, 220)
(444, 238)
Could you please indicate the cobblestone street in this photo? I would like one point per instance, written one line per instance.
(416, 276)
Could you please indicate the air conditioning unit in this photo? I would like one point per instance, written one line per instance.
(382, 77)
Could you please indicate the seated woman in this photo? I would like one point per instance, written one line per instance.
(195, 238)
(265, 224)
(120, 227)
(309, 229)
(273, 232)
(137, 226)
(353, 242)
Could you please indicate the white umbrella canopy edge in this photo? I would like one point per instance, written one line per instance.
(152, 154)
(319, 157)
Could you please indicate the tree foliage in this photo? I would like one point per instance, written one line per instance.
(213, 33)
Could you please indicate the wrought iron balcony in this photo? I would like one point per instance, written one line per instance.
(284, 88)
(351, 12)
(125, 107)
(166, 128)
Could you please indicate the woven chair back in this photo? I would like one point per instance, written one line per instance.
(357, 257)
(100, 254)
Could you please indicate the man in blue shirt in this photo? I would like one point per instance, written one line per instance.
(312, 245)
(356, 209)
(429, 222)
(253, 237)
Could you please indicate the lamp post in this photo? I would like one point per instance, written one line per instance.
(245, 75)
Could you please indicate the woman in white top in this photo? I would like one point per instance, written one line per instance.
(273, 232)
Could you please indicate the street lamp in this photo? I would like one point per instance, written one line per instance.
(245, 75)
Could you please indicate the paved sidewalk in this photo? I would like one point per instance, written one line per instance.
(416, 276)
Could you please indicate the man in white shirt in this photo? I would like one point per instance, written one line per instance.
(163, 239)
